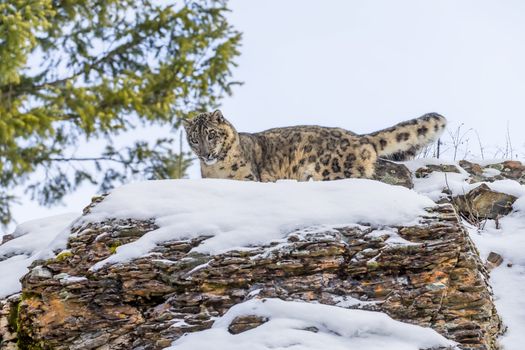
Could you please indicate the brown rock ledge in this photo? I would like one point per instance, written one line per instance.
(435, 279)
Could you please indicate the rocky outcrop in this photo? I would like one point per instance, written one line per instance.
(480, 203)
(510, 169)
(427, 274)
(393, 173)
(484, 203)
(507, 170)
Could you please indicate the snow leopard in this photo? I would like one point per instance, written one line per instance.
(303, 153)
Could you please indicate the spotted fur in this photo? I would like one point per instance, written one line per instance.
(303, 152)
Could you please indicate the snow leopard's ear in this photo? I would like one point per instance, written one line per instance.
(217, 116)
(187, 123)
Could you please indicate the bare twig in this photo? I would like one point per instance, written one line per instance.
(481, 148)
(508, 148)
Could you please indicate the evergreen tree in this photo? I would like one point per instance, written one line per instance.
(77, 70)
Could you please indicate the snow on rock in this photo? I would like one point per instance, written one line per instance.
(243, 214)
(308, 326)
(36, 239)
(507, 280)
(350, 302)
(12, 270)
(505, 237)
(456, 182)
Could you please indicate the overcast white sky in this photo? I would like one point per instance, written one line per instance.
(368, 64)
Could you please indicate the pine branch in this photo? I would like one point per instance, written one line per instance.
(87, 159)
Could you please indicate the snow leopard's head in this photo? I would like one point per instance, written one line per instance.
(210, 136)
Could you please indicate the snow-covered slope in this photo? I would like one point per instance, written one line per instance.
(36, 239)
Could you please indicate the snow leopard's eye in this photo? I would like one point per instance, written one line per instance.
(212, 136)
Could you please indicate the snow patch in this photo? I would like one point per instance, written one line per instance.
(240, 215)
(308, 326)
(491, 172)
(415, 164)
(34, 235)
(351, 302)
(394, 239)
(36, 239)
(509, 288)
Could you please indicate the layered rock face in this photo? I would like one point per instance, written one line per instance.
(428, 274)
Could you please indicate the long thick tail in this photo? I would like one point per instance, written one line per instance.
(404, 140)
